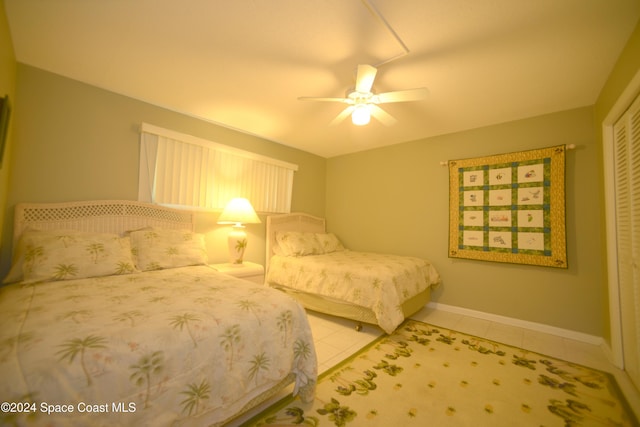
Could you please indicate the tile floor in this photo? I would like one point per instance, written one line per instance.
(336, 339)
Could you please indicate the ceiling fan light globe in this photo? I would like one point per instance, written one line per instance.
(361, 115)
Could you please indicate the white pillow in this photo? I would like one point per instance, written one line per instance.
(70, 254)
(329, 242)
(156, 248)
(293, 243)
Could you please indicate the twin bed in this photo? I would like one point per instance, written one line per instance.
(306, 262)
(114, 318)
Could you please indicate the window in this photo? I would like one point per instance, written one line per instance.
(182, 170)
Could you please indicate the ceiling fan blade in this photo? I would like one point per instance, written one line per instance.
(311, 98)
(402, 95)
(343, 115)
(365, 77)
(384, 117)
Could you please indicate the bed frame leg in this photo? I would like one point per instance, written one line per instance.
(359, 326)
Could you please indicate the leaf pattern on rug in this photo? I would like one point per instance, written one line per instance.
(361, 383)
(427, 375)
(338, 414)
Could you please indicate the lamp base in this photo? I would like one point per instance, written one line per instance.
(237, 244)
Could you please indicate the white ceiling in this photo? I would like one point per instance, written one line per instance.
(244, 63)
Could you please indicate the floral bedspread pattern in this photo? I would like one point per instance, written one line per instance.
(184, 346)
(380, 282)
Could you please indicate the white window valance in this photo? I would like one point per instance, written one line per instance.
(182, 170)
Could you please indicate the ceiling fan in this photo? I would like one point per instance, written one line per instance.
(363, 103)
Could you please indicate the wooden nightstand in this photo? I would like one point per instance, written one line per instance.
(247, 271)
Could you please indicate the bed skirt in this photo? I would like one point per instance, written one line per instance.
(346, 310)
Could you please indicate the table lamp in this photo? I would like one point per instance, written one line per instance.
(238, 212)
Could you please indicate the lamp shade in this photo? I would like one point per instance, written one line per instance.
(238, 211)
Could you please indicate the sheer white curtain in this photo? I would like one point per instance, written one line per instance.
(179, 169)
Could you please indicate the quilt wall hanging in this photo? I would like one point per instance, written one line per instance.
(509, 208)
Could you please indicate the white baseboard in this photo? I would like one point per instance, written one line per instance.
(608, 352)
(539, 327)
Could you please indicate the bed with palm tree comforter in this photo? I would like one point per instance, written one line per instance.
(155, 345)
(313, 266)
(147, 348)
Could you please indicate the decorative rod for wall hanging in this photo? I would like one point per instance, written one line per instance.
(568, 147)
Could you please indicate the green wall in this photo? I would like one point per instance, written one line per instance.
(395, 199)
(77, 142)
(627, 66)
(7, 87)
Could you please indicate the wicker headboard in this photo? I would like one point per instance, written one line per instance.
(295, 221)
(105, 216)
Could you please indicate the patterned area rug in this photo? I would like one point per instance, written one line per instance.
(426, 375)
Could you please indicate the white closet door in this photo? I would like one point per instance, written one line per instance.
(627, 182)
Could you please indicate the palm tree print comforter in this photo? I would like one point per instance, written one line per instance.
(171, 347)
(380, 282)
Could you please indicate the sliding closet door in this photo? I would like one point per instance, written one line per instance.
(627, 187)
